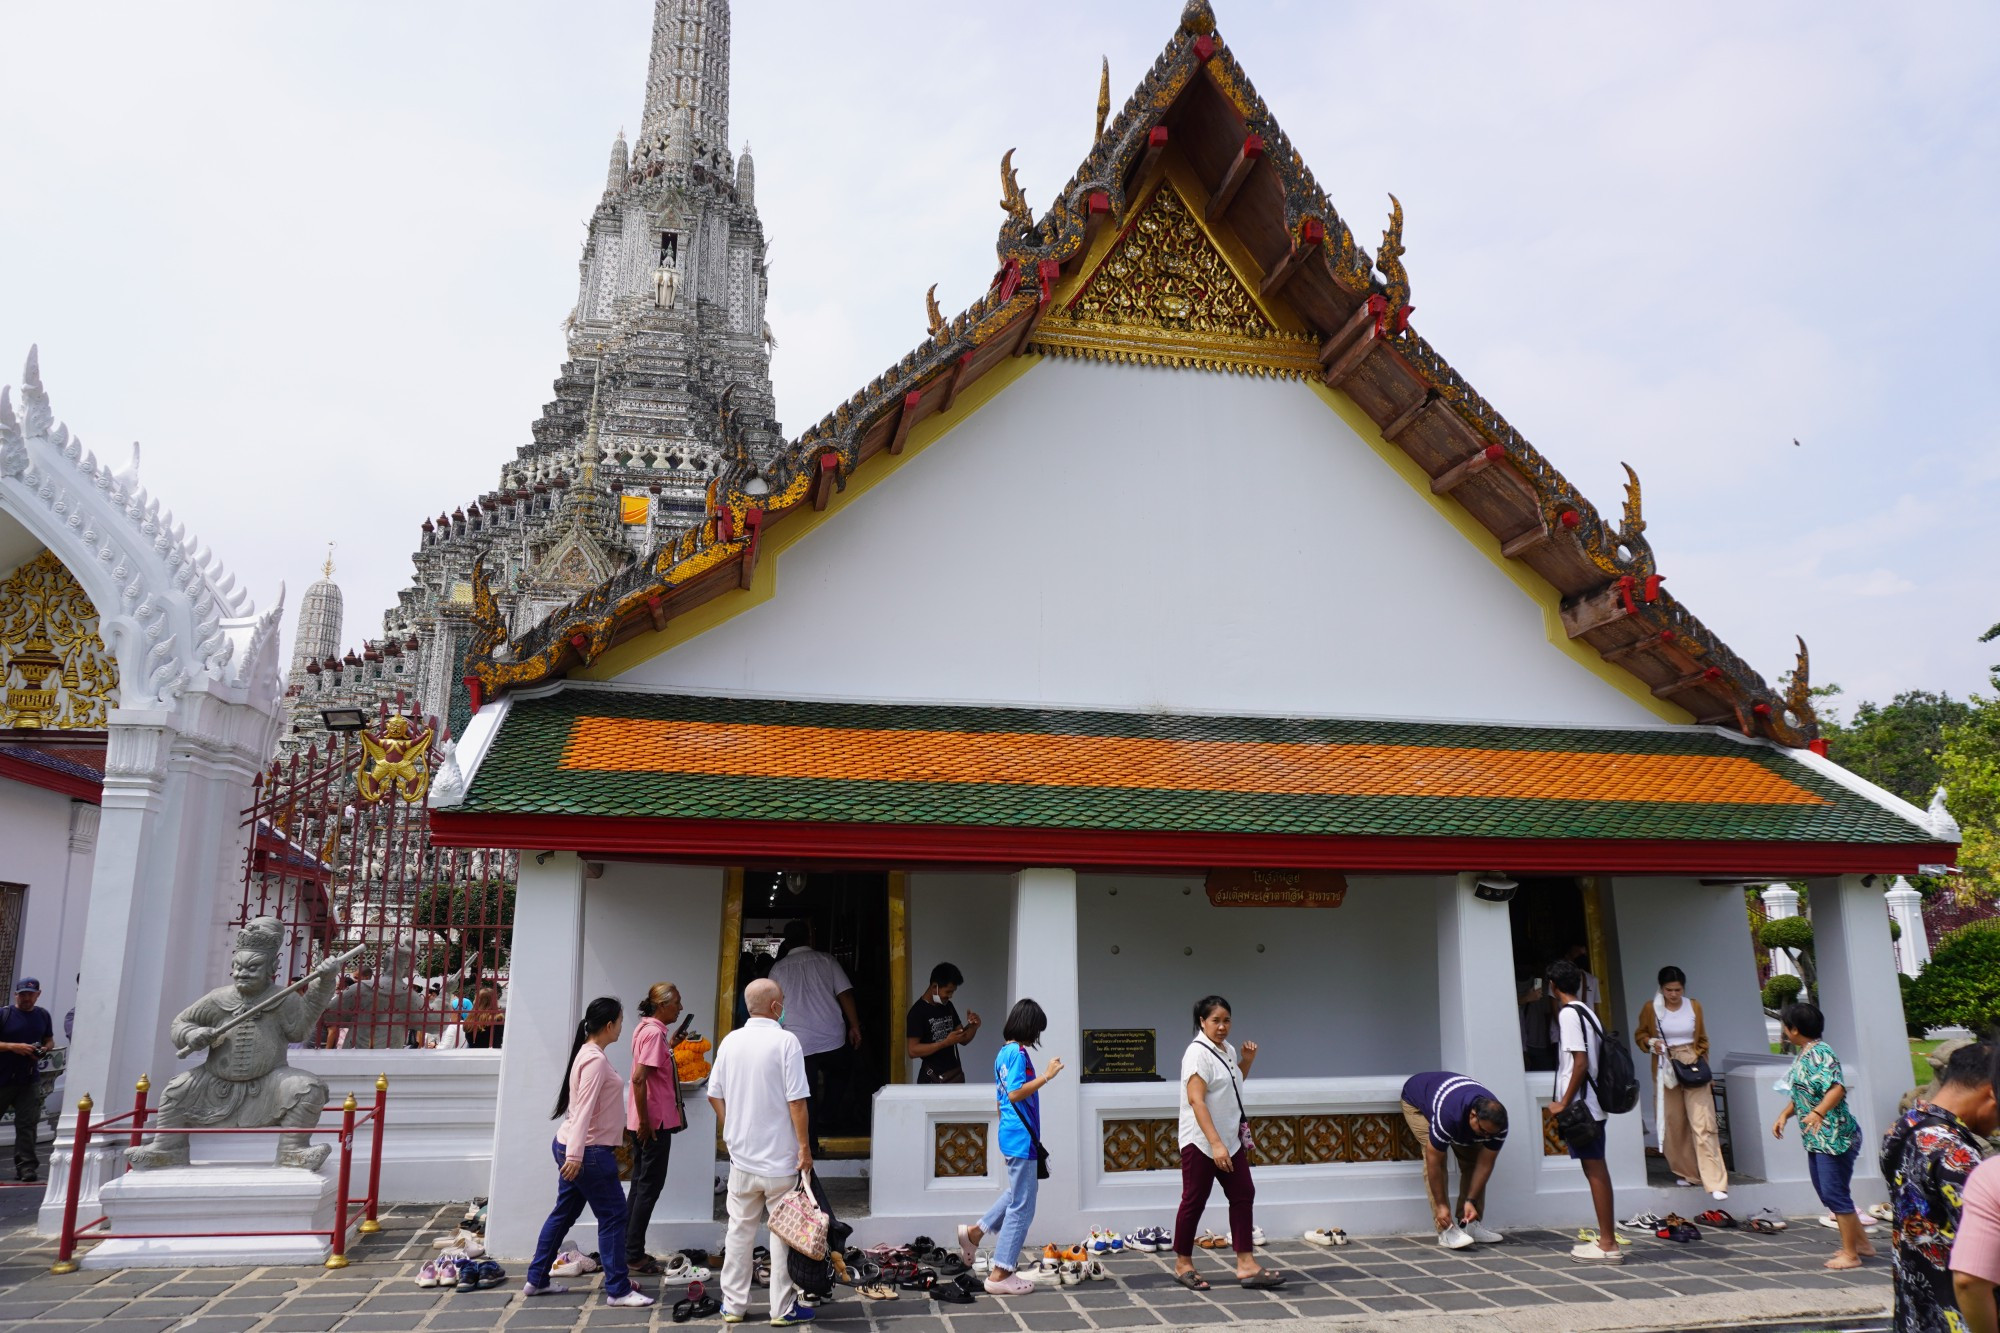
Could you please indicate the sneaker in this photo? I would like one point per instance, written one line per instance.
(1326, 1236)
(1136, 1240)
(1643, 1221)
(798, 1314)
(427, 1276)
(1256, 1235)
(633, 1299)
(1071, 1273)
(733, 1316)
(1588, 1253)
(1046, 1273)
(1482, 1233)
(1011, 1285)
(1453, 1237)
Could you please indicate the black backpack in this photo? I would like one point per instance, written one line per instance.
(1617, 1081)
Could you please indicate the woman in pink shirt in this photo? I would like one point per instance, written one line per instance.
(592, 1108)
(652, 1112)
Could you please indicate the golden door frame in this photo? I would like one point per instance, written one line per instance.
(730, 950)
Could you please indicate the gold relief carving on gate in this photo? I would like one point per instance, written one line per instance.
(959, 1150)
(1163, 295)
(396, 762)
(1301, 1140)
(55, 672)
(1552, 1139)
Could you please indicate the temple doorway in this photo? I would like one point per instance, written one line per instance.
(856, 918)
(1549, 919)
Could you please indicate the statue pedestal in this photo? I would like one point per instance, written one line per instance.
(186, 1206)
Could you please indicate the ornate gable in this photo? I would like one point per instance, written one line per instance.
(1163, 294)
(54, 671)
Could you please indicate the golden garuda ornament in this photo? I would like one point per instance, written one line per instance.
(398, 762)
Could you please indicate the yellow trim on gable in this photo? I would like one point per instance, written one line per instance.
(617, 661)
(1538, 589)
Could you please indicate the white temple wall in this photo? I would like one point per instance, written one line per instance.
(1067, 545)
(35, 851)
(1310, 985)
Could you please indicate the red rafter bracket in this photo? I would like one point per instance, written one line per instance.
(1312, 234)
(753, 529)
(474, 692)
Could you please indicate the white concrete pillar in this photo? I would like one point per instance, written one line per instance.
(1479, 1029)
(1780, 901)
(1041, 966)
(1906, 908)
(1862, 1003)
(545, 973)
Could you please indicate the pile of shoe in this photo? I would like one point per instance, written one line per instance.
(462, 1274)
(1149, 1240)
(1459, 1236)
(1330, 1236)
(1675, 1227)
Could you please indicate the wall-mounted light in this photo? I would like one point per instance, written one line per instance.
(344, 719)
(1495, 888)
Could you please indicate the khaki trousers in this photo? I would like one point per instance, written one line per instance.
(1689, 1137)
(1468, 1157)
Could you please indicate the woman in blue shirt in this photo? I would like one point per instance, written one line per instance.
(1016, 1089)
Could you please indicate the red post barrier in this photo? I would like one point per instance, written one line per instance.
(66, 1246)
(338, 1259)
(368, 1224)
(144, 1086)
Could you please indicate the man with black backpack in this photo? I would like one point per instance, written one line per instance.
(1585, 1090)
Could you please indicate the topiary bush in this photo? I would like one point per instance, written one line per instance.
(1960, 985)
(1794, 936)
(1780, 991)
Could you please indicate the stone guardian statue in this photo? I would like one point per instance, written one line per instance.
(245, 1083)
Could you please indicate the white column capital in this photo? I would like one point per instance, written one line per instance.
(1780, 901)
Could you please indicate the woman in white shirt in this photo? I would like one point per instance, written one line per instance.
(1670, 1030)
(1215, 1145)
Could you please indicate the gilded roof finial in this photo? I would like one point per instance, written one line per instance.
(1395, 278)
(1103, 98)
(931, 310)
(1011, 197)
(326, 570)
(1634, 522)
(1198, 19)
(1798, 691)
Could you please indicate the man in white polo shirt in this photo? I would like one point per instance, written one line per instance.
(757, 1086)
(821, 1014)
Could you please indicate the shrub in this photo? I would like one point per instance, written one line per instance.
(1793, 935)
(1960, 985)
(1780, 991)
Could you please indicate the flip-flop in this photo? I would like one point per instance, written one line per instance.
(1716, 1217)
(1264, 1279)
(1192, 1281)
(876, 1291)
(1763, 1226)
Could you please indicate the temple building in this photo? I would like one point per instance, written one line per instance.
(1404, 720)
(666, 382)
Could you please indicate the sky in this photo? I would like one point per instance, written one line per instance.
(315, 257)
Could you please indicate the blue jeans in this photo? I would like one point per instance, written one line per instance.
(596, 1184)
(1831, 1174)
(1012, 1213)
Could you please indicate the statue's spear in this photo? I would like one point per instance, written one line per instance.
(271, 1001)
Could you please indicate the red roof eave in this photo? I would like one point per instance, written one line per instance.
(75, 787)
(735, 842)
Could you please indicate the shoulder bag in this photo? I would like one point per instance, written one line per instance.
(1243, 1132)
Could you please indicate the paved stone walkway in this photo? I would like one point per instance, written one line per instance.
(1528, 1283)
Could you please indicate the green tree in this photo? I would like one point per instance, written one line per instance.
(473, 923)
(1899, 745)
(1970, 768)
(1960, 985)
(1793, 935)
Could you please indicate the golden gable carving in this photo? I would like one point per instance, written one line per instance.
(54, 670)
(1163, 295)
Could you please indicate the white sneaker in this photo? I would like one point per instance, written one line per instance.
(1453, 1237)
(1482, 1233)
(1588, 1253)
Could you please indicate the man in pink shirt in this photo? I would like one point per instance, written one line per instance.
(1975, 1250)
(653, 1111)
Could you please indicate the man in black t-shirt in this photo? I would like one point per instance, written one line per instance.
(26, 1034)
(934, 1032)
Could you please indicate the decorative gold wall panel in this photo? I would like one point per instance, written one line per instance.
(1282, 1140)
(54, 670)
(960, 1150)
(1164, 296)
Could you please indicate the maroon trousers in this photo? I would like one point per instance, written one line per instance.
(1198, 1176)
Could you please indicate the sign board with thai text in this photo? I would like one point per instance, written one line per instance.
(1276, 888)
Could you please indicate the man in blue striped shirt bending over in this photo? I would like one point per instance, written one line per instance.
(1446, 1110)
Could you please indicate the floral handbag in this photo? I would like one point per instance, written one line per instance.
(798, 1220)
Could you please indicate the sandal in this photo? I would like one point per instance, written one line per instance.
(1716, 1217)
(950, 1293)
(645, 1265)
(1326, 1236)
(1192, 1280)
(1264, 1279)
(876, 1291)
(1763, 1226)
(1209, 1240)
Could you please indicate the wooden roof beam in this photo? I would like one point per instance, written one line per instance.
(829, 465)
(1522, 543)
(1694, 680)
(1049, 273)
(1232, 181)
(954, 380)
(1409, 416)
(1311, 232)
(1454, 477)
(1156, 144)
(1594, 611)
(913, 403)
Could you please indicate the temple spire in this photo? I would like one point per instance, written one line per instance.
(688, 70)
(614, 178)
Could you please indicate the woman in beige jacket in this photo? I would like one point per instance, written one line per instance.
(1670, 1026)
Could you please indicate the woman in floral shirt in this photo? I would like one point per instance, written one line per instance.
(1832, 1138)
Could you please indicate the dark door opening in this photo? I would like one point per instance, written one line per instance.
(1548, 921)
(849, 915)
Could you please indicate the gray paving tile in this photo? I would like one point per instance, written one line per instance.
(1186, 1316)
(219, 1324)
(1424, 1286)
(1518, 1296)
(1130, 1316)
(1460, 1300)
(1578, 1295)
(1395, 1304)
(1051, 1321)
(387, 1323)
(396, 1301)
(90, 1309)
(1325, 1309)
(312, 1302)
(135, 1325)
(149, 1307)
(1000, 1322)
